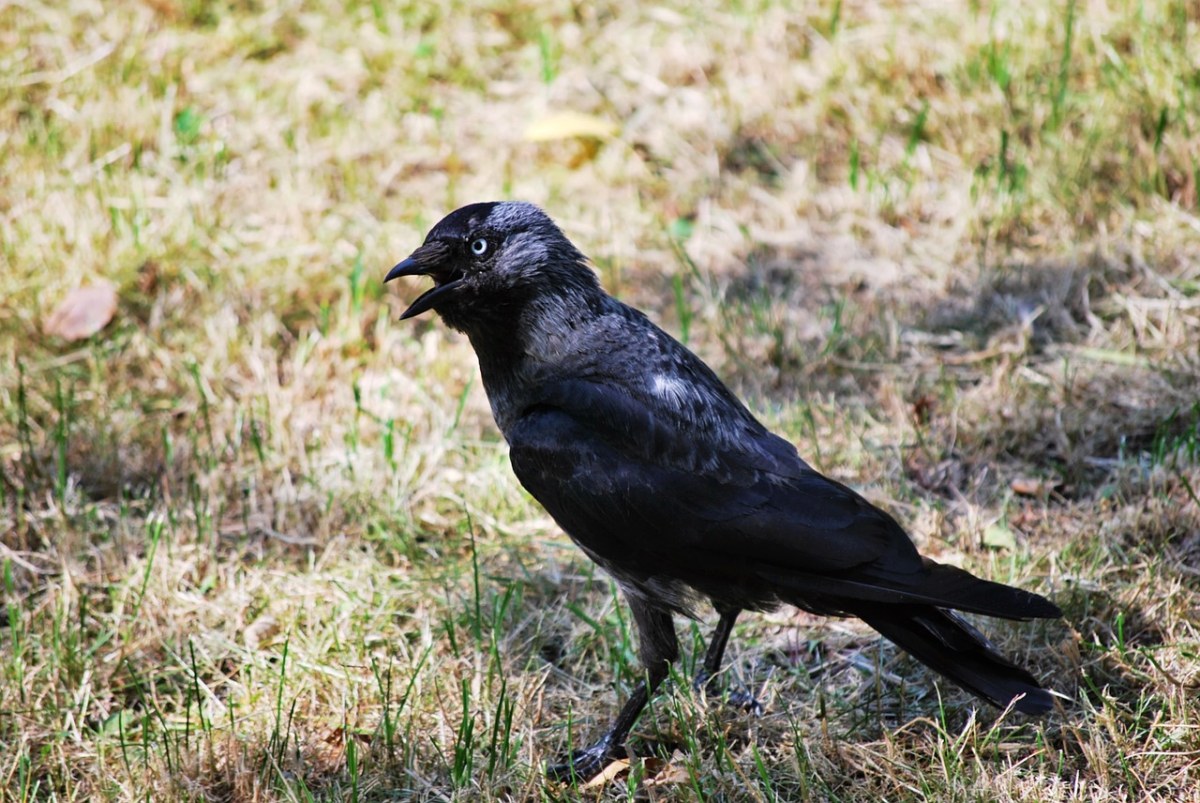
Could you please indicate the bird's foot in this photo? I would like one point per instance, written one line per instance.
(739, 698)
(743, 699)
(587, 763)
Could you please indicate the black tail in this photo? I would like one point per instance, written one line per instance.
(933, 584)
(947, 643)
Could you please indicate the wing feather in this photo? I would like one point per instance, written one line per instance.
(636, 490)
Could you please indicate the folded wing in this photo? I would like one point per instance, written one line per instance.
(729, 513)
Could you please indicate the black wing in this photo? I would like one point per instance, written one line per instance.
(733, 514)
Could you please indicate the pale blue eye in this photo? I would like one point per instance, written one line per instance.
(479, 247)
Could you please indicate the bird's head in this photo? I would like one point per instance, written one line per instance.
(489, 260)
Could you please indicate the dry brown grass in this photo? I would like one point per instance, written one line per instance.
(259, 541)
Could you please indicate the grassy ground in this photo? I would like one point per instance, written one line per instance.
(260, 541)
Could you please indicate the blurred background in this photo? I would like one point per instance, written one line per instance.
(260, 541)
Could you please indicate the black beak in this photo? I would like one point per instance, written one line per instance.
(409, 267)
(425, 261)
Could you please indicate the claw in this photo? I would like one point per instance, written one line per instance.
(743, 699)
(740, 698)
(587, 763)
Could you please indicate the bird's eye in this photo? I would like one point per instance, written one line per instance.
(479, 247)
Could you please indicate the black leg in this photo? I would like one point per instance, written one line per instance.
(706, 678)
(716, 647)
(659, 648)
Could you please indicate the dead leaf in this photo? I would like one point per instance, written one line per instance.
(668, 773)
(84, 312)
(340, 735)
(607, 774)
(998, 536)
(569, 125)
(1025, 518)
(260, 630)
(1032, 486)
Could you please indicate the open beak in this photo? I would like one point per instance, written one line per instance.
(409, 267)
(424, 263)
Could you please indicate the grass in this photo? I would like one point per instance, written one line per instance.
(259, 541)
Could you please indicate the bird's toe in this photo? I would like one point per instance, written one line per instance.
(586, 763)
(743, 699)
(712, 688)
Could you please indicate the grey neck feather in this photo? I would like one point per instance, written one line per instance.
(554, 333)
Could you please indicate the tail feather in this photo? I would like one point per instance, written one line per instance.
(935, 585)
(948, 644)
(963, 591)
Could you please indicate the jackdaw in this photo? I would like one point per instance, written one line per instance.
(666, 480)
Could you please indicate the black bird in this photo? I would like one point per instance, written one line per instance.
(658, 472)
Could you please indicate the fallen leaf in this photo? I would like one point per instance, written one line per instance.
(84, 312)
(260, 630)
(119, 722)
(569, 125)
(668, 773)
(340, 735)
(607, 774)
(998, 536)
(1026, 518)
(923, 407)
(1032, 486)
